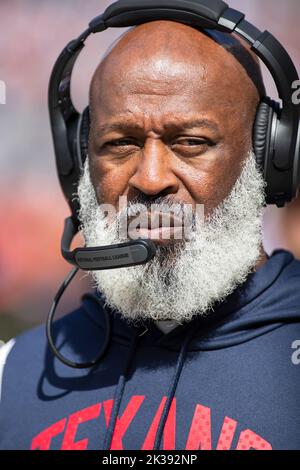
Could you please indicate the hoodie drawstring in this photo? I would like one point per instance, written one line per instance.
(119, 393)
(122, 382)
(172, 388)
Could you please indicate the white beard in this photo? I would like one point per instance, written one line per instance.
(183, 280)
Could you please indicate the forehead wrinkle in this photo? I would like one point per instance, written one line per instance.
(170, 125)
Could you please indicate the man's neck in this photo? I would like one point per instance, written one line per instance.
(262, 258)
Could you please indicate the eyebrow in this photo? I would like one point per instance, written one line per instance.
(117, 126)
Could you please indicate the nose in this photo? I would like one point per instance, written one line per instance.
(153, 174)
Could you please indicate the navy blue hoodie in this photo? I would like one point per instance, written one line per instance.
(230, 380)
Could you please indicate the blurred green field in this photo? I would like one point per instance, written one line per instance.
(11, 326)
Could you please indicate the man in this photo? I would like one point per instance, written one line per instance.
(202, 337)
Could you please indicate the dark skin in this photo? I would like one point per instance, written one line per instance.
(158, 79)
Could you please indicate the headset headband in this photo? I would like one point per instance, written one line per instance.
(209, 14)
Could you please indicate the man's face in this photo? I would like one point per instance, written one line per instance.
(169, 119)
(170, 124)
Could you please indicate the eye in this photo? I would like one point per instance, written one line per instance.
(192, 142)
(191, 146)
(121, 143)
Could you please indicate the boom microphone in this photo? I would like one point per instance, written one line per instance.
(120, 255)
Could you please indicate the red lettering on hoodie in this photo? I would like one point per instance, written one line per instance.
(123, 423)
(226, 434)
(200, 432)
(75, 419)
(43, 440)
(249, 440)
(169, 430)
(199, 436)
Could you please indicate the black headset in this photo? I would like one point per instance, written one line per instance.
(276, 130)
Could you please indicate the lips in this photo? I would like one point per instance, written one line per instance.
(165, 226)
(159, 220)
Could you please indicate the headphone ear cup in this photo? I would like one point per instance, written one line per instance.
(84, 129)
(262, 132)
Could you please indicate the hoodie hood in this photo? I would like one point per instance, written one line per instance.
(231, 322)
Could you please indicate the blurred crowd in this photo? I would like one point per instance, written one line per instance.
(32, 208)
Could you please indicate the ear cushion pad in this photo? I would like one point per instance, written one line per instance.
(262, 124)
(84, 134)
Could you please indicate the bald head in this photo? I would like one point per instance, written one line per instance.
(165, 49)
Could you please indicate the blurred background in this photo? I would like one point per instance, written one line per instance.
(32, 208)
